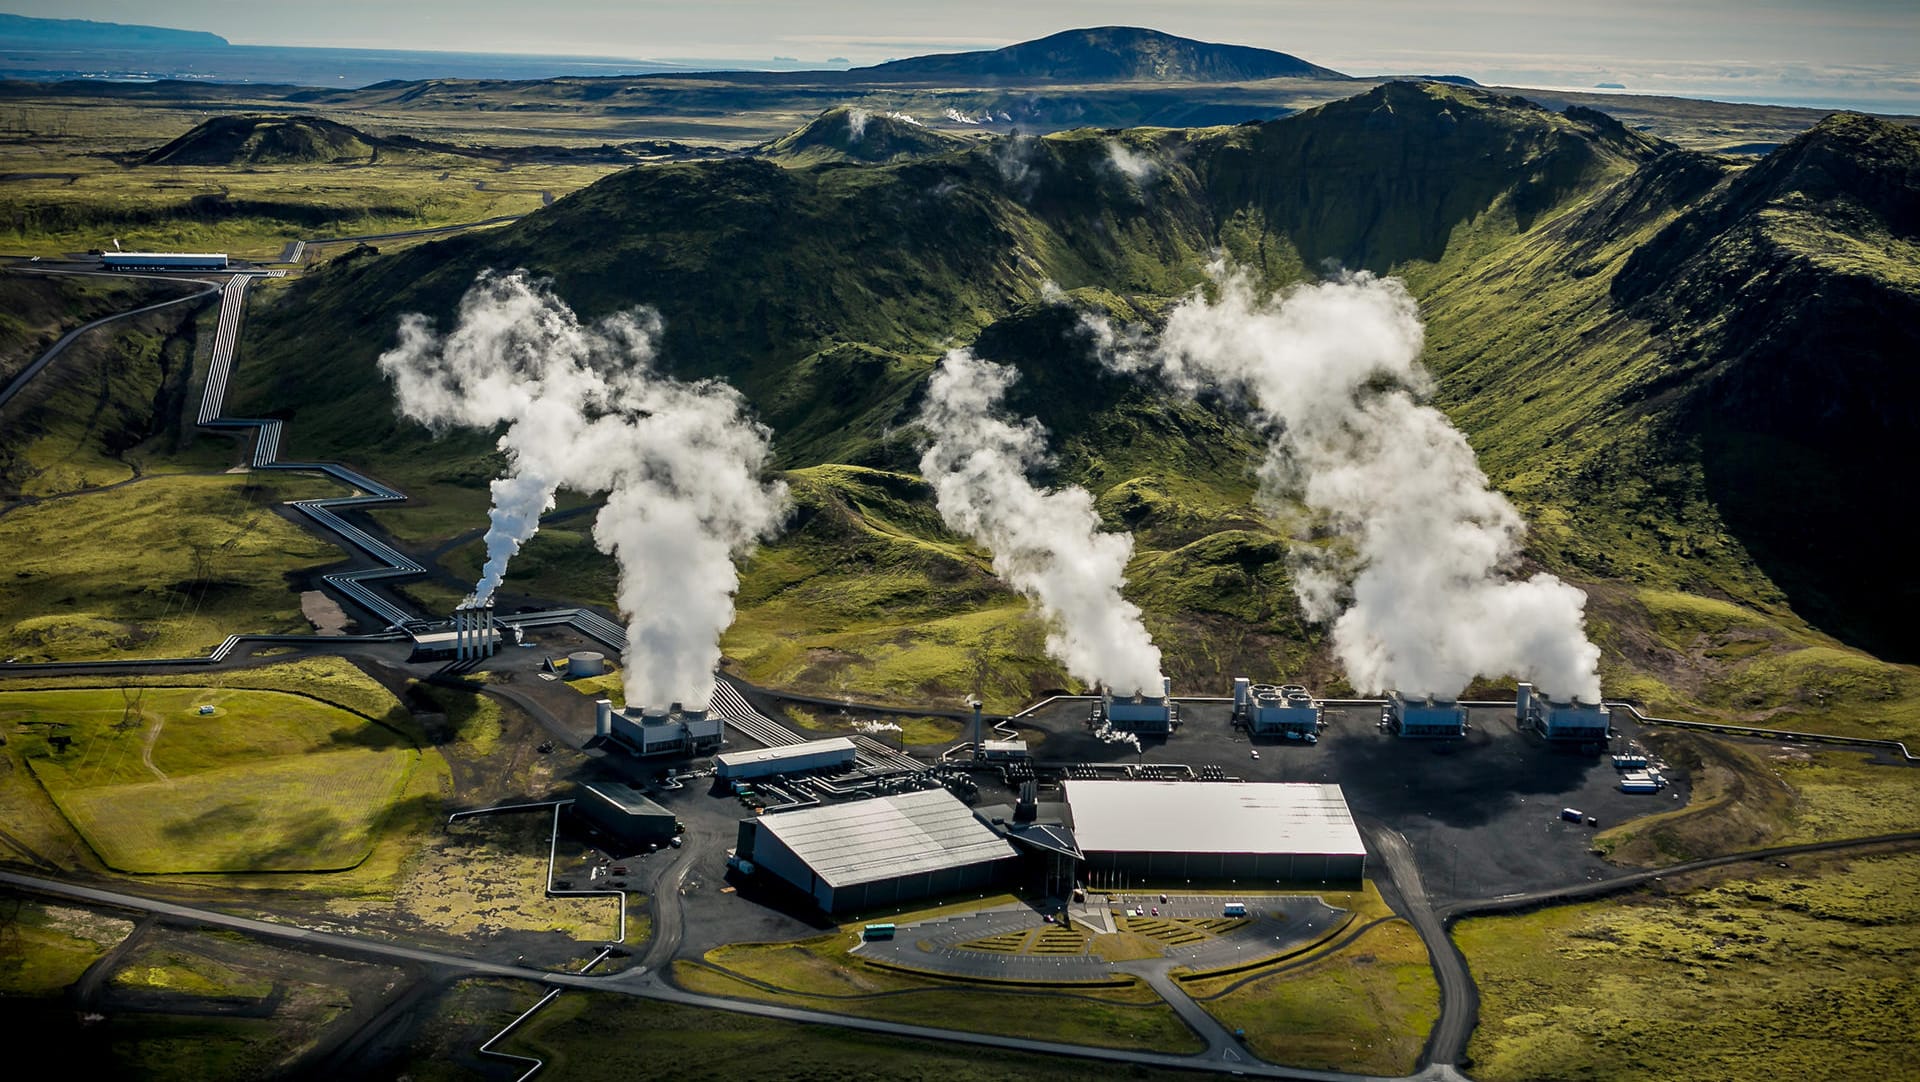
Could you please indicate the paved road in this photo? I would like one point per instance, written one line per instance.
(643, 985)
(26, 374)
(1459, 997)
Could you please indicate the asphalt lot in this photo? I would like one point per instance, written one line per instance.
(1482, 814)
(1280, 924)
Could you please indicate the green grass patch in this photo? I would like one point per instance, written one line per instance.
(822, 971)
(267, 782)
(165, 565)
(45, 948)
(166, 968)
(1798, 973)
(1366, 1007)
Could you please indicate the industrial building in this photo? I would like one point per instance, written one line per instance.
(832, 754)
(672, 731)
(164, 261)
(1428, 718)
(624, 814)
(1266, 710)
(1146, 715)
(1164, 831)
(1564, 720)
(869, 853)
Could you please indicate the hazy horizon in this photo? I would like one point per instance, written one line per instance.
(1852, 53)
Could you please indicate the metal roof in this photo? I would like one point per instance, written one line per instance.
(624, 797)
(866, 841)
(1211, 817)
(838, 744)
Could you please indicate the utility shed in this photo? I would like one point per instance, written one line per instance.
(870, 853)
(624, 813)
(787, 759)
(1141, 831)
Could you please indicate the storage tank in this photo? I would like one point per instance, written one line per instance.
(586, 663)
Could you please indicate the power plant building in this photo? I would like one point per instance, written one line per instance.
(1287, 710)
(832, 754)
(672, 731)
(870, 853)
(1427, 718)
(1568, 720)
(624, 813)
(1176, 831)
(1139, 713)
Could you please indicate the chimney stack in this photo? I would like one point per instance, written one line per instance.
(977, 734)
(1522, 701)
(603, 717)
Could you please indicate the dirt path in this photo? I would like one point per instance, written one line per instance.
(146, 748)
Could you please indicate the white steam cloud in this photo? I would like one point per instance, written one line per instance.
(1425, 550)
(1047, 544)
(584, 407)
(1130, 163)
(857, 124)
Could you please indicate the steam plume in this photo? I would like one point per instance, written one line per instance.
(519, 357)
(1048, 545)
(1131, 163)
(856, 124)
(585, 408)
(1425, 549)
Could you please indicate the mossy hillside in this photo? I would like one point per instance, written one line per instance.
(108, 408)
(1574, 401)
(1789, 972)
(266, 140)
(832, 137)
(36, 309)
(162, 566)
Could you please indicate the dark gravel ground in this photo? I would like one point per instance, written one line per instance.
(1481, 813)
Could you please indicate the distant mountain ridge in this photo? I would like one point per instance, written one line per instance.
(23, 31)
(1105, 54)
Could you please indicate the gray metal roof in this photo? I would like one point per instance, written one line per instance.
(837, 744)
(624, 797)
(1211, 817)
(870, 840)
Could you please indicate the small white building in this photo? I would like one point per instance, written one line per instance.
(831, 754)
(650, 732)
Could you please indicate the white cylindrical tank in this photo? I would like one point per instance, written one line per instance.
(1242, 694)
(586, 663)
(1522, 700)
(603, 717)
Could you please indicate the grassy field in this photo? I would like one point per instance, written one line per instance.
(160, 566)
(822, 972)
(585, 1035)
(1806, 972)
(165, 967)
(267, 782)
(44, 948)
(1366, 1006)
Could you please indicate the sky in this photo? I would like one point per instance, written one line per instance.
(1789, 51)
